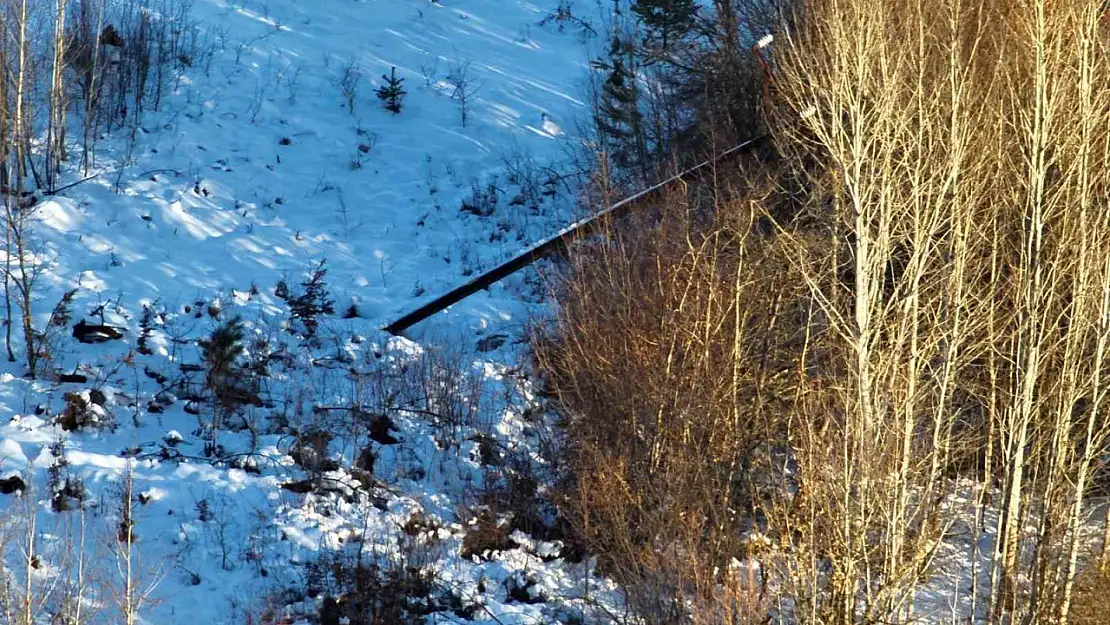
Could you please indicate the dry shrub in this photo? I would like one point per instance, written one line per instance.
(486, 536)
(916, 336)
(379, 585)
(664, 357)
(1092, 597)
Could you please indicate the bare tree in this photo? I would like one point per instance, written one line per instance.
(18, 206)
(462, 77)
(136, 583)
(901, 328)
(59, 100)
(349, 82)
(965, 240)
(90, 66)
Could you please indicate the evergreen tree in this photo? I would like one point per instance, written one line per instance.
(666, 21)
(223, 376)
(618, 116)
(310, 304)
(392, 93)
(221, 350)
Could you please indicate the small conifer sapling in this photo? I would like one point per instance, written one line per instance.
(392, 93)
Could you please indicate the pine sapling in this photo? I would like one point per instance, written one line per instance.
(65, 488)
(146, 323)
(221, 350)
(313, 302)
(392, 92)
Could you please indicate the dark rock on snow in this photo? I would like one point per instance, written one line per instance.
(491, 342)
(94, 333)
(11, 484)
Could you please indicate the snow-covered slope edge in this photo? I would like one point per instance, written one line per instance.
(257, 168)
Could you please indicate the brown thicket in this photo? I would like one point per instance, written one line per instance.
(667, 355)
(884, 381)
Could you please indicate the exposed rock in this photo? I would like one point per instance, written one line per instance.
(11, 484)
(366, 460)
(97, 397)
(96, 333)
(492, 342)
(300, 487)
(380, 427)
(524, 588)
(154, 375)
(165, 398)
(330, 612)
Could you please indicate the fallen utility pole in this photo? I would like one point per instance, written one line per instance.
(577, 230)
(553, 244)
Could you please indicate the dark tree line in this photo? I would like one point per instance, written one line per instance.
(678, 80)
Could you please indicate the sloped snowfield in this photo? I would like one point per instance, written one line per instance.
(255, 169)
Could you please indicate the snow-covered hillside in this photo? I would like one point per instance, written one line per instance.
(274, 154)
(259, 168)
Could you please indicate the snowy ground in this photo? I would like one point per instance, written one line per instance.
(254, 171)
(261, 169)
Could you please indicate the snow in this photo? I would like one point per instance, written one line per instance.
(11, 454)
(253, 171)
(264, 209)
